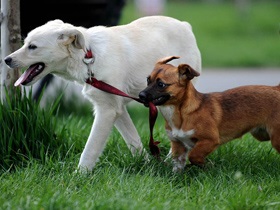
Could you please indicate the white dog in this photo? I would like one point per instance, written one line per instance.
(123, 56)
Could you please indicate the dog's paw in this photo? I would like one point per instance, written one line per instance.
(178, 167)
(146, 156)
(79, 171)
(82, 170)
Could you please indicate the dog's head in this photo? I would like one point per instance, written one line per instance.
(45, 50)
(167, 84)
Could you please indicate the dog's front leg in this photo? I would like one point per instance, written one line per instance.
(100, 131)
(179, 152)
(128, 131)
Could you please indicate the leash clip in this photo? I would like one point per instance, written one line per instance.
(90, 76)
(89, 59)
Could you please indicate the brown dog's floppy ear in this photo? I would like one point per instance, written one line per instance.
(167, 59)
(187, 72)
(74, 37)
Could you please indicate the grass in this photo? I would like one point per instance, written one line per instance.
(23, 133)
(243, 174)
(225, 36)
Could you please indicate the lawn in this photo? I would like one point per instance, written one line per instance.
(243, 174)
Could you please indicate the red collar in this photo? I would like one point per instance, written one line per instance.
(88, 54)
(89, 58)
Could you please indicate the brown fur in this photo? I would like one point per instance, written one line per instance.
(214, 118)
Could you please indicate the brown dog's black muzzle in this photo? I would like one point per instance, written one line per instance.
(145, 97)
(156, 97)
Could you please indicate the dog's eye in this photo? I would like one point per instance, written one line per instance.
(161, 84)
(148, 80)
(32, 47)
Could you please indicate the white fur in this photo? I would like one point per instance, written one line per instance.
(124, 57)
(182, 136)
(176, 134)
(179, 163)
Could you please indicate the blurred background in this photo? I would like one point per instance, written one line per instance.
(236, 33)
(239, 39)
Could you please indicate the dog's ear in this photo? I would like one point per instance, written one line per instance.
(74, 37)
(167, 59)
(187, 72)
(55, 22)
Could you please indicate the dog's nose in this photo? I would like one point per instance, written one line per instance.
(8, 60)
(143, 96)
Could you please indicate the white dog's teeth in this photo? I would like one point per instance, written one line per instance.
(40, 67)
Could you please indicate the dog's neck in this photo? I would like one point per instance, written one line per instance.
(190, 100)
(76, 69)
(81, 68)
(186, 103)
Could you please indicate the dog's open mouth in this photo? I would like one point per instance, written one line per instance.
(30, 73)
(160, 100)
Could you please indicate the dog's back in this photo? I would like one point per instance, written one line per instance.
(169, 36)
(251, 99)
(238, 110)
(138, 45)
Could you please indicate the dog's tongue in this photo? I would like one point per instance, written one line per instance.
(25, 75)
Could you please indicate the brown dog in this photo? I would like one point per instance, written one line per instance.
(199, 123)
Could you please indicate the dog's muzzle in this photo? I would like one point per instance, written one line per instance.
(8, 60)
(145, 98)
(29, 74)
(156, 99)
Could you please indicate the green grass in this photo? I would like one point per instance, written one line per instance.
(243, 174)
(112, 188)
(224, 35)
(30, 132)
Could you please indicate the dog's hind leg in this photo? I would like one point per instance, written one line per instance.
(128, 131)
(201, 150)
(260, 133)
(275, 137)
(100, 131)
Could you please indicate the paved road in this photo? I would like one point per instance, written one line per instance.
(222, 79)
